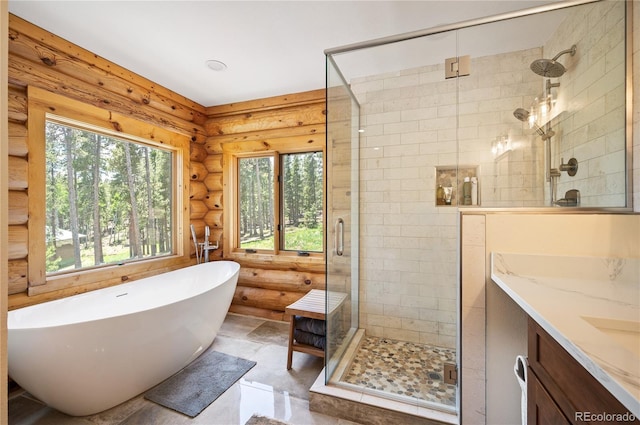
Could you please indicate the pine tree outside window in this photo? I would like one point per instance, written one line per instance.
(302, 196)
(108, 200)
(280, 203)
(60, 188)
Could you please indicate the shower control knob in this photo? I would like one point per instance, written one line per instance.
(570, 167)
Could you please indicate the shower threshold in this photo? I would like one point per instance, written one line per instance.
(341, 394)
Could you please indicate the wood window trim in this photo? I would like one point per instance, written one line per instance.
(42, 102)
(235, 237)
(231, 151)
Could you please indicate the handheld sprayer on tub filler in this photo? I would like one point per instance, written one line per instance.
(203, 248)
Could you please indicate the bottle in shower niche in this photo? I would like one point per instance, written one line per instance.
(474, 191)
(440, 195)
(466, 191)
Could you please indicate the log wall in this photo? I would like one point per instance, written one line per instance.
(39, 58)
(266, 285)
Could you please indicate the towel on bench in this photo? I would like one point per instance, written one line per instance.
(309, 338)
(314, 326)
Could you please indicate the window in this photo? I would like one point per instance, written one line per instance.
(256, 196)
(280, 203)
(108, 200)
(108, 195)
(302, 201)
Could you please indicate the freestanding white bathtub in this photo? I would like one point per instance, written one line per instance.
(89, 352)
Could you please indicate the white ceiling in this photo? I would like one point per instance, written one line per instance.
(270, 47)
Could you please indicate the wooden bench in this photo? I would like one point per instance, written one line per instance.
(312, 305)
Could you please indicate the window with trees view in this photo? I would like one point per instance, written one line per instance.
(108, 200)
(288, 198)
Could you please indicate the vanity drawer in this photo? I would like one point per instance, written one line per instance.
(573, 389)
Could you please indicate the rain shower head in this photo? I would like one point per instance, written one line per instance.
(550, 67)
(523, 115)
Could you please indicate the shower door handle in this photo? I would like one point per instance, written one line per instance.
(339, 241)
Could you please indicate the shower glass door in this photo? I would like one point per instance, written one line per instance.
(342, 165)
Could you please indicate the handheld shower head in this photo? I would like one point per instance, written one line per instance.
(550, 67)
(523, 115)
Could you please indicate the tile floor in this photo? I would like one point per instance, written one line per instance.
(268, 389)
(403, 368)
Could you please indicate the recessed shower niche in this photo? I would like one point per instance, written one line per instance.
(450, 186)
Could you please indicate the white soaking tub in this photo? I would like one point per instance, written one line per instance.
(89, 352)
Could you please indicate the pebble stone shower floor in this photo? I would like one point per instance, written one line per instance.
(403, 368)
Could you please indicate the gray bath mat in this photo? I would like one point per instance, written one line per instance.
(196, 386)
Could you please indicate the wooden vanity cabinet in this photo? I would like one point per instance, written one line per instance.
(559, 389)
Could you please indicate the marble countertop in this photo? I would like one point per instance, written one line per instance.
(578, 300)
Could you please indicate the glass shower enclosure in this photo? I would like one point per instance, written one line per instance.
(405, 333)
(342, 261)
(470, 115)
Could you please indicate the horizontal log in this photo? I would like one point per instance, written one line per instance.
(257, 312)
(17, 276)
(213, 200)
(275, 102)
(41, 46)
(316, 142)
(42, 76)
(264, 298)
(18, 142)
(214, 235)
(213, 142)
(18, 173)
(281, 280)
(213, 163)
(213, 219)
(280, 262)
(197, 190)
(198, 152)
(18, 242)
(296, 116)
(44, 101)
(197, 209)
(76, 283)
(213, 181)
(17, 104)
(213, 145)
(197, 171)
(17, 288)
(42, 293)
(18, 207)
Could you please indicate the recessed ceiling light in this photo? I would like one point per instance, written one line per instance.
(216, 65)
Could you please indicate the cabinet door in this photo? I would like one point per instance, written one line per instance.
(541, 409)
(573, 389)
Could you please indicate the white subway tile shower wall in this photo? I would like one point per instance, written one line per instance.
(408, 244)
(592, 124)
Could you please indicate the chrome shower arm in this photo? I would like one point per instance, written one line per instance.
(571, 50)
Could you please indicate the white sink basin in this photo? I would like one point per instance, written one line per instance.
(624, 332)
